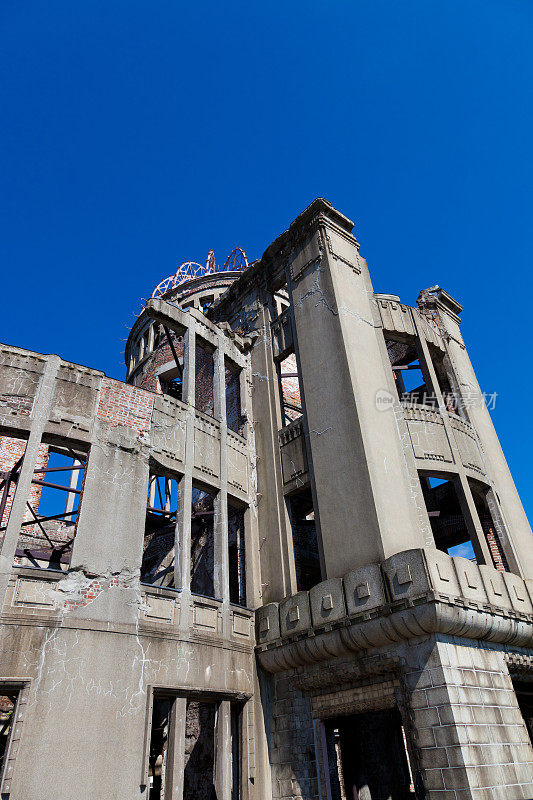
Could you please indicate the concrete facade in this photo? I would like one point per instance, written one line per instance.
(284, 560)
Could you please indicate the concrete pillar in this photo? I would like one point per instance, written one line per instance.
(251, 523)
(41, 415)
(275, 546)
(183, 517)
(223, 751)
(363, 481)
(220, 528)
(176, 749)
(517, 543)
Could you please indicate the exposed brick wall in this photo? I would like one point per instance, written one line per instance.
(122, 404)
(90, 593)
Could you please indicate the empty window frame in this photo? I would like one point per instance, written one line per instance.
(490, 529)
(305, 540)
(408, 376)
(448, 524)
(290, 393)
(157, 567)
(206, 302)
(444, 374)
(49, 525)
(202, 543)
(204, 375)
(170, 356)
(236, 556)
(234, 418)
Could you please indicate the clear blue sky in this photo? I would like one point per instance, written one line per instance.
(138, 134)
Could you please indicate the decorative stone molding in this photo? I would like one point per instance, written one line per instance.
(413, 593)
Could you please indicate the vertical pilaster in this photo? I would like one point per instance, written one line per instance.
(251, 522)
(41, 414)
(223, 751)
(362, 479)
(275, 545)
(183, 522)
(176, 750)
(220, 530)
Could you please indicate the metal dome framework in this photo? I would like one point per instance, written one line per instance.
(189, 270)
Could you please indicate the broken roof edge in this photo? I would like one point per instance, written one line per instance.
(282, 242)
(436, 297)
(320, 204)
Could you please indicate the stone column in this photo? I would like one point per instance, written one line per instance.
(275, 545)
(183, 522)
(41, 415)
(176, 749)
(365, 500)
(223, 751)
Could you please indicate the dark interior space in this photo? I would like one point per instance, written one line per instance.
(367, 757)
(305, 540)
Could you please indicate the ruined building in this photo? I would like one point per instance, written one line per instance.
(285, 559)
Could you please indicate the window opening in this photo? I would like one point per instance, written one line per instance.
(305, 540)
(490, 530)
(236, 749)
(236, 556)
(290, 394)
(203, 388)
(157, 567)
(202, 543)
(450, 398)
(408, 377)
(11, 457)
(50, 519)
(446, 517)
(234, 417)
(206, 302)
(171, 349)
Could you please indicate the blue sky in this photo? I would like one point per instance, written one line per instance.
(138, 134)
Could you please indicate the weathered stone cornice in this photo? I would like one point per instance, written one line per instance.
(411, 594)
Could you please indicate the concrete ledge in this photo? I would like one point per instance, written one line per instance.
(411, 594)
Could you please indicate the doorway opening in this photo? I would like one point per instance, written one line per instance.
(367, 757)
